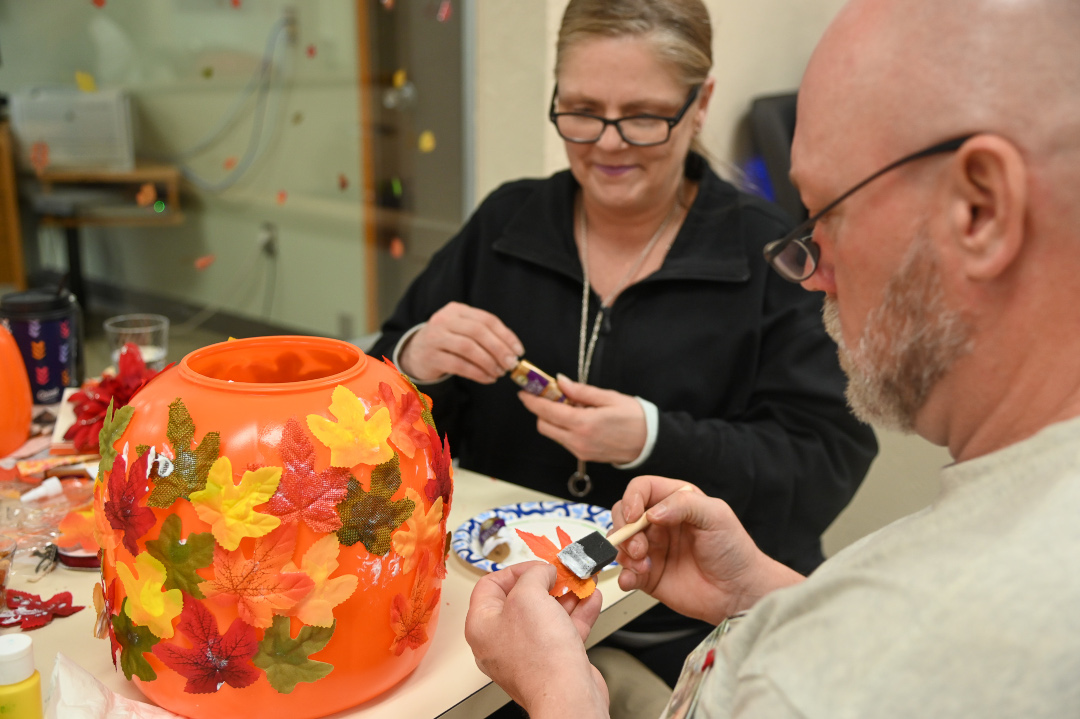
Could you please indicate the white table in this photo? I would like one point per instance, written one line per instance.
(446, 684)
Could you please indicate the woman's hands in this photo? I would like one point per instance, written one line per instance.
(533, 645)
(463, 341)
(695, 556)
(597, 425)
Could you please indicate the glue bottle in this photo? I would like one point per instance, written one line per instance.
(20, 683)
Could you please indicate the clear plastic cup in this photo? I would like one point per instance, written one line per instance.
(150, 333)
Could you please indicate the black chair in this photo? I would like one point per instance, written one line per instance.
(772, 127)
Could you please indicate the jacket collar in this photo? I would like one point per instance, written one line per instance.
(709, 245)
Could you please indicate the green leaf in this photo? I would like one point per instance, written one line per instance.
(134, 642)
(191, 466)
(285, 659)
(371, 517)
(182, 557)
(114, 425)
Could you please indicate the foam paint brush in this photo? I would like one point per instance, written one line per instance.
(591, 553)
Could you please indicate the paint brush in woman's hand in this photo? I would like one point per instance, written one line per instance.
(591, 553)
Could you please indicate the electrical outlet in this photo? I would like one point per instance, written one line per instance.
(267, 239)
(292, 25)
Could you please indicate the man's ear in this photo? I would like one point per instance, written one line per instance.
(989, 202)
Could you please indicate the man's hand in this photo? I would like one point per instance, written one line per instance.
(463, 341)
(695, 556)
(532, 645)
(597, 425)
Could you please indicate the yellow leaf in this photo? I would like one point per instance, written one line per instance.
(424, 530)
(147, 604)
(355, 438)
(229, 508)
(320, 561)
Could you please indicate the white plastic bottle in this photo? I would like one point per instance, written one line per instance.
(20, 683)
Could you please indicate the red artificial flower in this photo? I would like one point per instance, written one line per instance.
(93, 397)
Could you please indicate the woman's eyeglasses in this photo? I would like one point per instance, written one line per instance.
(640, 130)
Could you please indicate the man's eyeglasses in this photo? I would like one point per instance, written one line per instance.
(795, 256)
(641, 130)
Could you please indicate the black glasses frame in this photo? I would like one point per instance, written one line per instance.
(671, 121)
(803, 235)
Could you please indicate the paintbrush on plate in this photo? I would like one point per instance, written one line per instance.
(591, 553)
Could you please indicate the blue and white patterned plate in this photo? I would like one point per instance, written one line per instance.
(577, 520)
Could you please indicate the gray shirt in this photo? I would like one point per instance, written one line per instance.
(969, 608)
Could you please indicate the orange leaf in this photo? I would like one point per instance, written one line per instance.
(565, 580)
(77, 530)
(409, 617)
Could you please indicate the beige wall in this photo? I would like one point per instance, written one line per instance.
(759, 48)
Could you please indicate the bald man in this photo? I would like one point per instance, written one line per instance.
(938, 150)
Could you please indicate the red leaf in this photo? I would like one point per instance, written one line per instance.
(409, 618)
(123, 509)
(214, 659)
(29, 611)
(302, 493)
(440, 485)
(405, 411)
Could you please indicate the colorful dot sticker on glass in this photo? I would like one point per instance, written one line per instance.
(282, 196)
(400, 78)
(397, 248)
(147, 195)
(208, 72)
(426, 142)
(311, 51)
(159, 206)
(39, 156)
(444, 12)
(98, 3)
(342, 181)
(388, 4)
(85, 81)
(205, 261)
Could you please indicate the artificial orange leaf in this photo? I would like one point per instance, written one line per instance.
(147, 603)
(404, 412)
(409, 617)
(259, 585)
(355, 438)
(229, 508)
(77, 530)
(424, 531)
(565, 580)
(425, 401)
(320, 561)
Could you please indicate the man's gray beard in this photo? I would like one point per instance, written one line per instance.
(908, 343)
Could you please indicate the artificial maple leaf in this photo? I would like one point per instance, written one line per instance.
(190, 467)
(424, 531)
(229, 508)
(181, 556)
(320, 561)
(355, 438)
(565, 580)
(104, 534)
(148, 602)
(425, 401)
(371, 517)
(286, 660)
(442, 484)
(30, 611)
(134, 642)
(214, 659)
(77, 530)
(126, 492)
(409, 617)
(259, 586)
(304, 493)
(112, 427)
(404, 412)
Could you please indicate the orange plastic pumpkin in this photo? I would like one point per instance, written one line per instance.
(273, 528)
(15, 400)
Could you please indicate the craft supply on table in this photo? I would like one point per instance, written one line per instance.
(494, 542)
(20, 682)
(535, 381)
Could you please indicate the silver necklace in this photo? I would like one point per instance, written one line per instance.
(579, 484)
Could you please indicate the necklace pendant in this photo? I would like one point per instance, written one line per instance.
(579, 484)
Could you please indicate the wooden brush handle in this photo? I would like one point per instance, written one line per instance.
(626, 531)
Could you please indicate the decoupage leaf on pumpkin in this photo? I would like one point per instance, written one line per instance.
(286, 660)
(409, 617)
(77, 530)
(104, 534)
(214, 659)
(259, 586)
(442, 484)
(425, 401)
(115, 424)
(404, 411)
(182, 556)
(148, 602)
(371, 517)
(565, 580)
(134, 642)
(355, 438)
(320, 561)
(303, 493)
(423, 531)
(229, 508)
(126, 492)
(190, 466)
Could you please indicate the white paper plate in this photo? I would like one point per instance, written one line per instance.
(541, 518)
